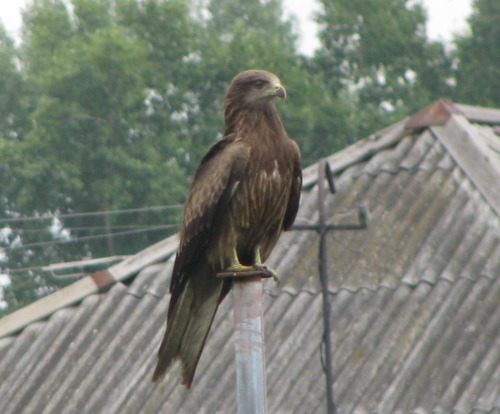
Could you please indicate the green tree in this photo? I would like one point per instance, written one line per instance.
(14, 123)
(14, 106)
(97, 143)
(171, 40)
(90, 113)
(478, 56)
(380, 50)
(14, 102)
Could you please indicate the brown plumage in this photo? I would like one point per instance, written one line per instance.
(245, 192)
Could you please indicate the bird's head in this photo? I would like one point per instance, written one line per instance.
(254, 87)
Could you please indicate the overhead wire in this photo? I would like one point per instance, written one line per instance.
(140, 229)
(49, 216)
(109, 230)
(93, 237)
(84, 228)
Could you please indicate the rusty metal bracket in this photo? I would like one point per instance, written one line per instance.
(328, 175)
(103, 279)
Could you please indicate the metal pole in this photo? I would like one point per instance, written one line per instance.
(323, 273)
(249, 346)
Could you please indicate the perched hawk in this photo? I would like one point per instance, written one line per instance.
(245, 192)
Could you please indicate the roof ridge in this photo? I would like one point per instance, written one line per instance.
(480, 114)
(437, 113)
(441, 110)
(458, 139)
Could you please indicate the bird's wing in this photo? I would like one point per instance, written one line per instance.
(296, 187)
(206, 206)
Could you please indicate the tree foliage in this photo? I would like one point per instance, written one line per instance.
(13, 104)
(478, 57)
(92, 145)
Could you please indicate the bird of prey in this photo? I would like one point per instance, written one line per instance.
(245, 192)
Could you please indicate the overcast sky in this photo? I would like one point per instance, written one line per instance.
(446, 17)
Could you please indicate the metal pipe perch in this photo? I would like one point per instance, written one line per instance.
(249, 339)
(249, 346)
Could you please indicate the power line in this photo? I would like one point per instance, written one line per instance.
(78, 239)
(85, 228)
(94, 237)
(90, 214)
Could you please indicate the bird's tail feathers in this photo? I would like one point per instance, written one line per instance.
(176, 328)
(188, 326)
(196, 334)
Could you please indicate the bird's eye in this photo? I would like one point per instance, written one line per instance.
(259, 84)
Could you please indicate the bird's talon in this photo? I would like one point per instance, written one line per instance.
(264, 268)
(276, 278)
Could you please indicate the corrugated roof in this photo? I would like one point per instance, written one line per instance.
(415, 297)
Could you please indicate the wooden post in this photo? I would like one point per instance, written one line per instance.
(249, 346)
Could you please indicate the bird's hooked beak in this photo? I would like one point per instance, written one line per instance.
(279, 91)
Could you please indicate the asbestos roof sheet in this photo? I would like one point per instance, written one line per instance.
(415, 306)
